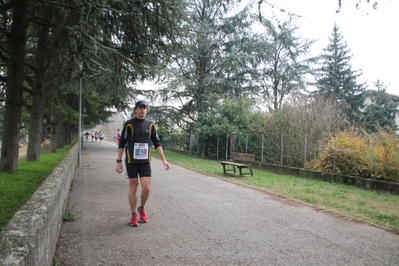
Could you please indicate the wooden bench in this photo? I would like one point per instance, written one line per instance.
(239, 160)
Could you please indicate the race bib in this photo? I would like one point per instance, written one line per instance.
(140, 151)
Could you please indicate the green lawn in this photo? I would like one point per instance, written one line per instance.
(17, 188)
(379, 208)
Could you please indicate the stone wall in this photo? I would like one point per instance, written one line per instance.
(31, 236)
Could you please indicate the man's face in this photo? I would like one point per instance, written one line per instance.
(141, 111)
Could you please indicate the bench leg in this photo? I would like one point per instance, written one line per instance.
(249, 168)
(240, 170)
(225, 170)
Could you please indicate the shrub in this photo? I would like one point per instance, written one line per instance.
(360, 154)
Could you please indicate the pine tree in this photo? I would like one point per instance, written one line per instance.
(380, 110)
(212, 62)
(117, 42)
(281, 64)
(336, 80)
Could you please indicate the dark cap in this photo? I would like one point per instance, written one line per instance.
(141, 103)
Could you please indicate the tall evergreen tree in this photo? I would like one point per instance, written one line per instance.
(336, 79)
(211, 64)
(119, 43)
(380, 109)
(12, 52)
(281, 63)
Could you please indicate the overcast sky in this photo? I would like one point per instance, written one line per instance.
(370, 34)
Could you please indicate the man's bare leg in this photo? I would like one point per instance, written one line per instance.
(145, 189)
(133, 184)
(145, 193)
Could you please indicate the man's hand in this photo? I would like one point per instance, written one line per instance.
(119, 168)
(166, 164)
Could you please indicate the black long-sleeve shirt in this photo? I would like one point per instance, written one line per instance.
(138, 134)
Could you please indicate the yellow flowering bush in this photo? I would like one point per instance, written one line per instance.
(361, 154)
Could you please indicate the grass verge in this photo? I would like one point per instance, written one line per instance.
(376, 207)
(18, 187)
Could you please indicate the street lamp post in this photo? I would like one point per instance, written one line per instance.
(80, 120)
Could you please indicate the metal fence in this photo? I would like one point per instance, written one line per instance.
(281, 151)
(290, 151)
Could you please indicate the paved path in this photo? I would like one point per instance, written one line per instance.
(195, 219)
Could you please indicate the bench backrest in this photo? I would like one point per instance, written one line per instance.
(245, 157)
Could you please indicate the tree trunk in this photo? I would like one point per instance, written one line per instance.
(61, 135)
(53, 134)
(38, 96)
(15, 79)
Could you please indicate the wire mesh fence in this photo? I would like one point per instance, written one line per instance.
(287, 150)
(282, 150)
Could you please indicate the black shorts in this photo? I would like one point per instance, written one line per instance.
(134, 170)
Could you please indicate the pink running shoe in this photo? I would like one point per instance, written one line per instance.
(134, 221)
(143, 215)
